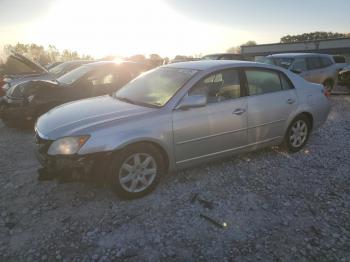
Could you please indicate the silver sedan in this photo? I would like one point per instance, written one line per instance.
(177, 116)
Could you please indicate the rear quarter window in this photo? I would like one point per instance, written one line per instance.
(286, 82)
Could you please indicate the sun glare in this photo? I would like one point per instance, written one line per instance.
(130, 27)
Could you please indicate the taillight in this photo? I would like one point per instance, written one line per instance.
(326, 92)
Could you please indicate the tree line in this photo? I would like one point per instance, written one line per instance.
(313, 36)
(43, 55)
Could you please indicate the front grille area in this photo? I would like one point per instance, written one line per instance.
(42, 144)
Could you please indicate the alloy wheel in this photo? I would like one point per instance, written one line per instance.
(298, 133)
(137, 172)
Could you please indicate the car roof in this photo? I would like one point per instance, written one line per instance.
(217, 64)
(282, 55)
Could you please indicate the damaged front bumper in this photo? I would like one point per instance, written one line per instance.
(89, 164)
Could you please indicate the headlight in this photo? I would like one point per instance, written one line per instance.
(67, 145)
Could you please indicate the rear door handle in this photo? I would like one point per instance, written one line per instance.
(290, 101)
(238, 111)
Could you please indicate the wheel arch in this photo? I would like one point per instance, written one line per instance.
(309, 116)
(156, 144)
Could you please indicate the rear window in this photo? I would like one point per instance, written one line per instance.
(339, 59)
(262, 81)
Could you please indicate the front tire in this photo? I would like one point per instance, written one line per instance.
(297, 133)
(136, 170)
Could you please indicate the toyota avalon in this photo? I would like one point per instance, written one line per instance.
(177, 116)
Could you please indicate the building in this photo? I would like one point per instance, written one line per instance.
(337, 46)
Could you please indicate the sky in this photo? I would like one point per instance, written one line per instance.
(166, 27)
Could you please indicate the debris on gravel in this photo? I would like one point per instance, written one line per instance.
(271, 205)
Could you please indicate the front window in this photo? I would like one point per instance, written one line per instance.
(74, 75)
(156, 87)
(219, 87)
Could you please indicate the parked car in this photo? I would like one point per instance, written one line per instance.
(340, 62)
(316, 68)
(344, 76)
(28, 100)
(223, 56)
(51, 74)
(177, 116)
(49, 66)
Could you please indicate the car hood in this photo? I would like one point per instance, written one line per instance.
(80, 117)
(13, 68)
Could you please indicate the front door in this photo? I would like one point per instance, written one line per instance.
(216, 129)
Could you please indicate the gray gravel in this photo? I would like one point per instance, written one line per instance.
(276, 206)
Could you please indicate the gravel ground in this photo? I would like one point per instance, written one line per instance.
(267, 205)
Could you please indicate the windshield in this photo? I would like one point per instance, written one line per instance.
(60, 69)
(284, 62)
(156, 87)
(74, 75)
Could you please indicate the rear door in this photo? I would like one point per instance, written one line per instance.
(272, 98)
(218, 128)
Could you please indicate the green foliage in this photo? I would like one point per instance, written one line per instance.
(43, 55)
(311, 37)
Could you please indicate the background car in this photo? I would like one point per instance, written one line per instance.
(50, 74)
(316, 68)
(28, 100)
(340, 62)
(223, 56)
(344, 76)
(177, 116)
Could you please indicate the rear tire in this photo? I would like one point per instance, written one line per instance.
(297, 133)
(136, 170)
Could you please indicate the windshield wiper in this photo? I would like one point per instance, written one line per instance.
(130, 101)
(125, 99)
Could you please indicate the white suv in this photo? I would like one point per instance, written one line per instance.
(316, 68)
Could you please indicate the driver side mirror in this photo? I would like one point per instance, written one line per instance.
(192, 101)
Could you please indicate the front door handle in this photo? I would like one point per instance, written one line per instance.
(238, 111)
(290, 101)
